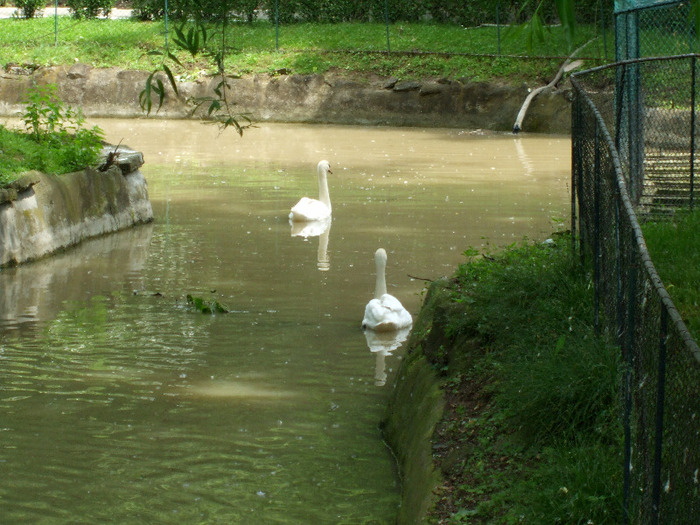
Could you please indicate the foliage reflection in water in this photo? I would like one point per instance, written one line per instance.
(120, 403)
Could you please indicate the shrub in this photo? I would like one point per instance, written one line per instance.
(195, 9)
(89, 8)
(474, 12)
(29, 8)
(60, 130)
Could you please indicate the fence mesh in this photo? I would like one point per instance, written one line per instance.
(665, 29)
(629, 119)
(651, 118)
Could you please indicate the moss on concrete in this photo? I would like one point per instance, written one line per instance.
(53, 212)
(415, 408)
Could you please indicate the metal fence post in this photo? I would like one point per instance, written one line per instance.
(660, 397)
(596, 229)
(693, 65)
(602, 25)
(618, 271)
(55, 23)
(575, 164)
(628, 352)
(498, 24)
(166, 26)
(386, 22)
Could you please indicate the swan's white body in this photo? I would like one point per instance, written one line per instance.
(384, 313)
(310, 228)
(315, 209)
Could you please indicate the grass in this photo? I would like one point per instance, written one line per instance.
(300, 48)
(534, 412)
(21, 153)
(54, 140)
(16, 150)
(673, 246)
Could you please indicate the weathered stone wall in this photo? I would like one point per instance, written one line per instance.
(329, 98)
(415, 408)
(48, 212)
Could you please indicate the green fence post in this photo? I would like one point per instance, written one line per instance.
(166, 26)
(498, 24)
(386, 22)
(55, 23)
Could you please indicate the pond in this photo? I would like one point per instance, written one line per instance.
(122, 404)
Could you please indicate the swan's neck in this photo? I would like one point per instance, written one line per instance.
(323, 194)
(380, 286)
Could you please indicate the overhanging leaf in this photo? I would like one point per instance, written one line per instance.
(171, 78)
(565, 11)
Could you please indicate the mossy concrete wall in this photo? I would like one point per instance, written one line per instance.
(328, 98)
(415, 408)
(50, 212)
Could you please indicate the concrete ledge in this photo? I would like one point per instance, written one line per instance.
(328, 99)
(56, 212)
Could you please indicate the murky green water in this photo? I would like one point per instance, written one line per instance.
(119, 404)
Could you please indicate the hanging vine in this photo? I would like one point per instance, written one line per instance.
(194, 38)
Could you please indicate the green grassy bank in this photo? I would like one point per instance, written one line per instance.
(529, 428)
(417, 50)
(54, 140)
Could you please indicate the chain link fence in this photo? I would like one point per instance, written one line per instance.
(663, 29)
(633, 129)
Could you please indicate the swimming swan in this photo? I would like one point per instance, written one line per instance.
(385, 312)
(311, 209)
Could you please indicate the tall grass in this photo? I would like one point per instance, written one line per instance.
(673, 246)
(554, 390)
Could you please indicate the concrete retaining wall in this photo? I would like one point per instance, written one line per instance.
(328, 98)
(46, 213)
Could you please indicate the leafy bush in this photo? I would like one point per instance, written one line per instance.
(317, 11)
(62, 143)
(89, 8)
(474, 12)
(29, 8)
(195, 9)
(464, 13)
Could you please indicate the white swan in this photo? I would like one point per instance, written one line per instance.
(385, 312)
(312, 209)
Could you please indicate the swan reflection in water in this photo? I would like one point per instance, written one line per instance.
(382, 344)
(320, 229)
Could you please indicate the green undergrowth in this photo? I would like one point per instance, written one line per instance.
(206, 306)
(20, 153)
(673, 246)
(417, 49)
(531, 430)
(54, 140)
